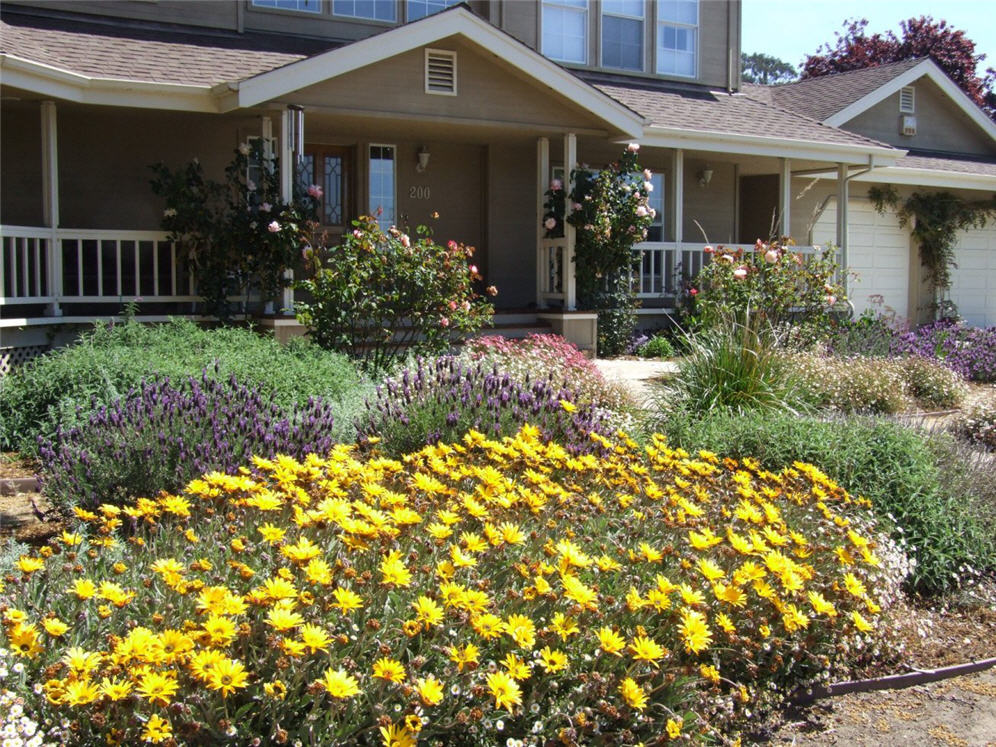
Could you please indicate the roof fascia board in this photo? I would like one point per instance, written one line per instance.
(719, 142)
(284, 80)
(920, 178)
(62, 84)
(927, 68)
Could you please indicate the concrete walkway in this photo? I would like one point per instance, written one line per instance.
(636, 376)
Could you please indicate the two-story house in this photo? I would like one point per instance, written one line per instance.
(415, 106)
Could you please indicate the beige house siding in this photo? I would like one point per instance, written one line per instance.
(219, 14)
(719, 37)
(511, 258)
(521, 20)
(712, 206)
(940, 124)
(20, 177)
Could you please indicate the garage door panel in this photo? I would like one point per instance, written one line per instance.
(973, 281)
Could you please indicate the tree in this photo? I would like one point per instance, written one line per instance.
(765, 69)
(921, 37)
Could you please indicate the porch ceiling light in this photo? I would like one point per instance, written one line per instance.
(705, 176)
(423, 159)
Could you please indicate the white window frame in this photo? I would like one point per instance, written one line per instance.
(643, 38)
(273, 5)
(660, 24)
(573, 9)
(911, 92)
(384, 222)
(339, 14)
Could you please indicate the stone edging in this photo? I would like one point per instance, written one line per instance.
(15, 485)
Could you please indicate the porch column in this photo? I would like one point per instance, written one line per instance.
(842, 200)
(678, 189)
(570, 267)
(287, 166)
(785, 195)
(542, 259)
(50, 203)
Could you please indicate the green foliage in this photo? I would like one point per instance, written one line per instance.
(610, 213)
(977, 424)
(736, 367)
(939, 500)
(936, 219)
(657, 346)
(380, 296)
(773, 280)
(933, 385)
(239, 234)
(59, 390)
(765, 69)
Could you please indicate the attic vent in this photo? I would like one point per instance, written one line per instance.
(440, 72)
(907, 125)
(907, 100)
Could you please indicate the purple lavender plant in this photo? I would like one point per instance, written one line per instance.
(971, 351)
(442, 399)
(161, 435)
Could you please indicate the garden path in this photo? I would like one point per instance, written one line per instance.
(636, 376)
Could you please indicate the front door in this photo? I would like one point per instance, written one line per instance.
(331, 168)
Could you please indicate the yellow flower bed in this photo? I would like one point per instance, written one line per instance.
(482, 592)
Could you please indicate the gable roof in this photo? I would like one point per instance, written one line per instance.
(838, 98)
(737, 123)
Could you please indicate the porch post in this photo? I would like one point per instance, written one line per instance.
(50, 203)
(287, 166)
(842, 200)
(679, 196)
(542, 260)
(570, 266)
(785, 195)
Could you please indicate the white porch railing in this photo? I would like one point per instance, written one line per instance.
(53, 266)
(552, 266)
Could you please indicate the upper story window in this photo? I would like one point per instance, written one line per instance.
(421, 8)
(309, 6)
(375, 10)
(622, 34)
(677, 36)
(565, 30)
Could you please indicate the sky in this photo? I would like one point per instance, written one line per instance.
(792, 29)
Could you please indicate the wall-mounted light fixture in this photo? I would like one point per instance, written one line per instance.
(705, 176)
(423, 159)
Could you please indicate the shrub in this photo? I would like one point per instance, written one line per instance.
(105, 363)
(915, 481)
(971, 351)
(933, 385)
(870, 334)
(978, 424)
(441, 399)
(162, 434)
(734, 366)
(379, 296)
(467, 594)
(657, 346)
(772, 280)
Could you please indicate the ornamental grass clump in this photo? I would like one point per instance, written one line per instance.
(441, 399)
(471, 593)
(164, 433)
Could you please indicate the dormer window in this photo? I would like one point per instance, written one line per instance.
(308, 6)
(565, 30)
(677, 37)
(622, 34)
(907, 100)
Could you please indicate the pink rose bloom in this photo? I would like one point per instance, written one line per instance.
(693, 292)
(405, 241)
(315, 191)
(451, 245)
(550, 224)
(641, 211)
(647, 173)
(577, 205)
(728, 258)
(556, 185)
(740, 273)
(465, 306)
(831, 300)
(250, 185)
(273, 227)
(491, 290)
(452, 305)
(708, 249)
(444, 322)
(473, 269)
(760, 246)
(244, 149)
(648, 187)
(771, 256)
(265, 207)
(357, 233)
(633, 147)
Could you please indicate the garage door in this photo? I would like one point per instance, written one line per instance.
(878, 251)
(973, 281)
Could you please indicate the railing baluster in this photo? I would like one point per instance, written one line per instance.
(3, 263)
(13, 265)
(25, 269)
(38, 273)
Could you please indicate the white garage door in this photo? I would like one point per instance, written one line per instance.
(973, 281)
(878, 251)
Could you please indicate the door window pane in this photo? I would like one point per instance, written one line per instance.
(382, 185)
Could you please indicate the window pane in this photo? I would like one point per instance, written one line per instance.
(382, 184)
(378, 10)
(632, 8)
(622, 43)
(332, 187)
(565, 36)
(656, 230)
(310, 6)
(422, 8)
(678, 11)
(676, 50)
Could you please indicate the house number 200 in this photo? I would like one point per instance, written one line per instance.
(419, 193)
